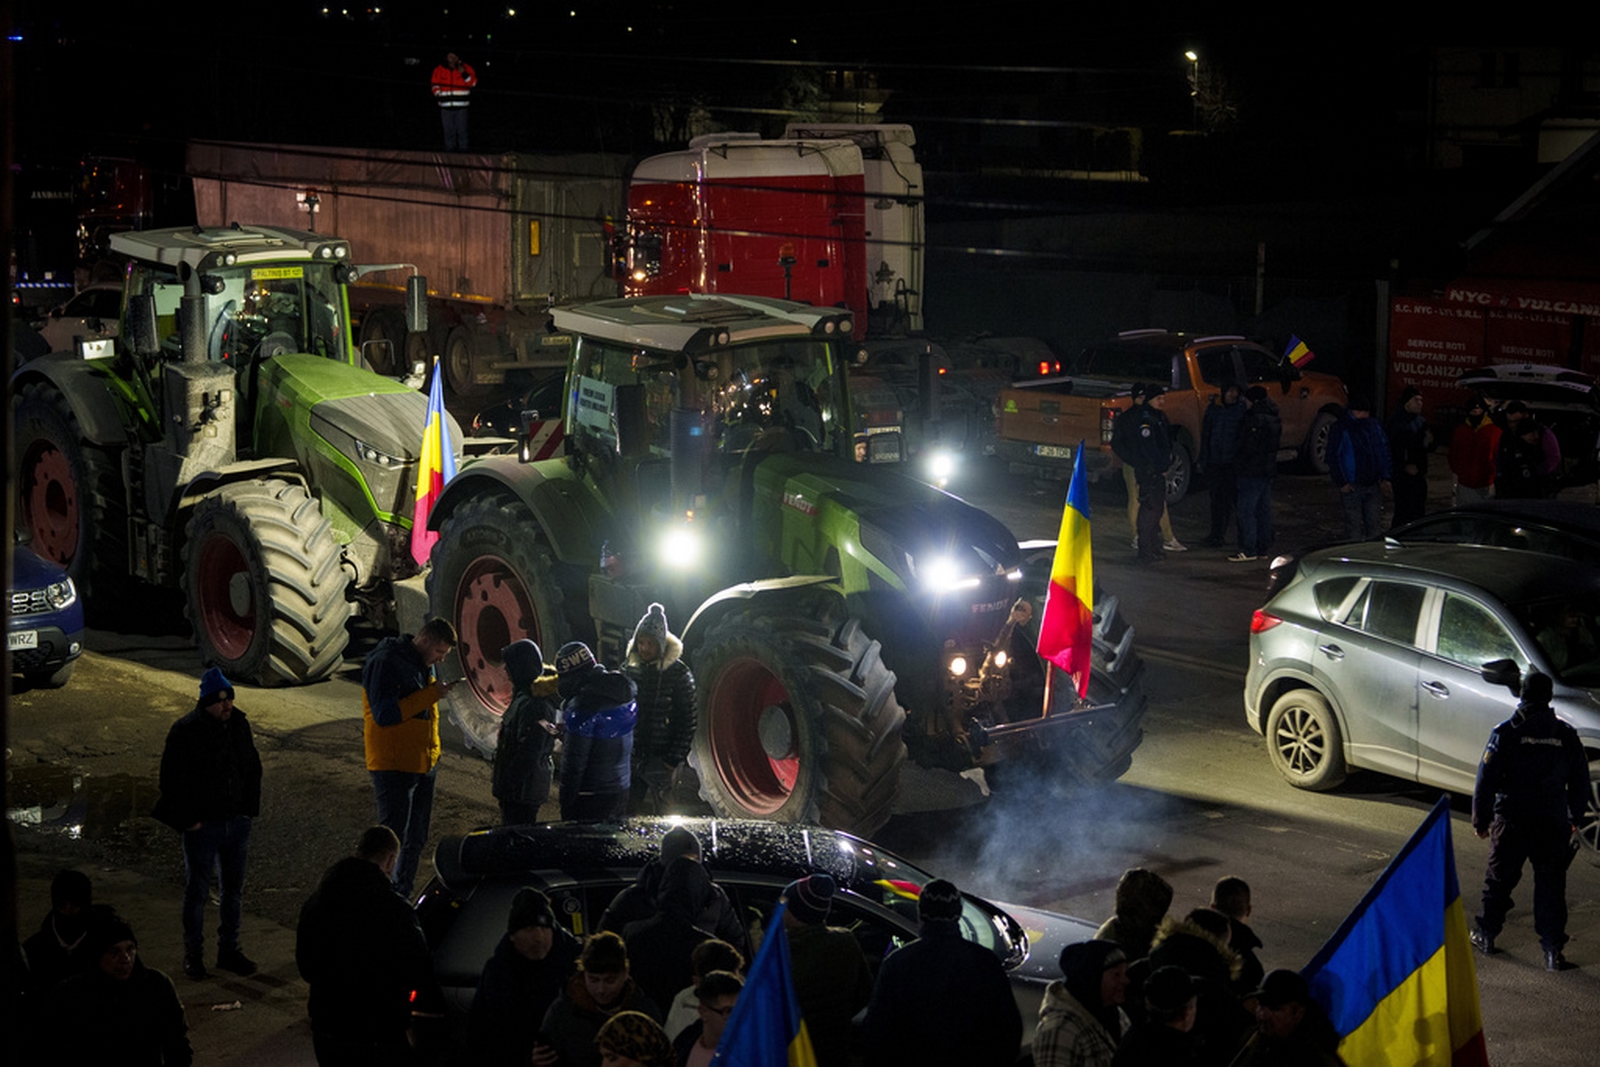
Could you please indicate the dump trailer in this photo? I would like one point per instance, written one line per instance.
(503, 237)
(839, 616)
(230, 443)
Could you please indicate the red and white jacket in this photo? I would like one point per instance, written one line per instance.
(453, 88)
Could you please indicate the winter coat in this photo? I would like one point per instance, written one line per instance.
(1221, 1022)
(210, 771)
(1219, 433)
(1472, 450)
(597, 720)
(360, 949)
(1259, 440)
(1155, 1045)
(453, 88)
(523, 755)
(1533, 768)
(659, 947)
(943, 999)
(1409, 442)
(513, 995)
(638, 902)
(1525, 471)
(1244, 942)
(1068, 1034)
(574, 1019)
(1358, 452)
(94, 1020)
(832, 982)
(53, 957)
(1313, 1044)
(666, 696)
(399, 708)
(1142, 438)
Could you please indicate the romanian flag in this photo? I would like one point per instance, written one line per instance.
(436, 465)
(1398, 979)
(1066, 633)
(765, 1029)
(1298, 353)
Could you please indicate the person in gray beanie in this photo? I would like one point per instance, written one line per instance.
(665, 727)
(1081, 1021)
(942, 998)
(522, 756)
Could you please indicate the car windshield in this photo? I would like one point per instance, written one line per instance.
(1568, 633)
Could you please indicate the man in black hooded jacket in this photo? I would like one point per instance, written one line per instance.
(1531, 794)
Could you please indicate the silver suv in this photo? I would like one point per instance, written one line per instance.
(1374, 656)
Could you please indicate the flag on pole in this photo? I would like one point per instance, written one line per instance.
(1298, 353)
(1066, 633)
(436, 465)
(1397, 978)
(765, 1029)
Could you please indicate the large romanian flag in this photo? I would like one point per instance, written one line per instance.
(1066, 633)
(1398, 979)
(765, 1029)
(436, 465)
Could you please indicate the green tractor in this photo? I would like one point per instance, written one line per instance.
(229, 442)
(839, 616)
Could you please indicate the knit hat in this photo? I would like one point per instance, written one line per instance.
(654, 624)
(529, 908)
(107, 929)
(1090, 959)
(1168, 989)
(214, 686)
(1407, 393)
(636, 1036)
(574, 658)
(524, 662)
(1282, 987)
(810, 898)
(940, 901)
(1255, 393)
(678, 841)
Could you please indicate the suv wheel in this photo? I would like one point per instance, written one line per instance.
(1303, 740)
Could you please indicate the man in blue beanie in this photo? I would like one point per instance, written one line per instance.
(210, 790)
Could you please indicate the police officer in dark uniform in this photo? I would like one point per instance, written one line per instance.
(1142, 438)
(1533, 782)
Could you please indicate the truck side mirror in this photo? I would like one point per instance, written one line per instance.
(416, 303)
(142, 337)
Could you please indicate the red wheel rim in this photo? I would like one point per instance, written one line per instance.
(493, 609)
(754, 740)
(226, 597)
(50, 506)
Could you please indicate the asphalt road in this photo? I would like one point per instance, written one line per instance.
(1201, 800)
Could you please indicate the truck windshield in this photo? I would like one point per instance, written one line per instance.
(257, 312)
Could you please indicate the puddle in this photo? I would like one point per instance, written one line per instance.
(75, 805)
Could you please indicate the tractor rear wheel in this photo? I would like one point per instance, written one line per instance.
(263, 585)
(64, 487)
(798, 722)
(491, 579)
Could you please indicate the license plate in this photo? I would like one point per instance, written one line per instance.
(22, 639)
(1053, 451)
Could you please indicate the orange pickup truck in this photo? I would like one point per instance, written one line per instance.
(1041, 422)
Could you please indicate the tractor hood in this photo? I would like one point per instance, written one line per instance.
(377, 411)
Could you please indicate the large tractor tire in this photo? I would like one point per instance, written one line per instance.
(67, 489)
(491, 579)
(263, 585)
(798, 722)
(385, 324)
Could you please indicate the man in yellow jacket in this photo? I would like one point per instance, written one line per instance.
(399, 705)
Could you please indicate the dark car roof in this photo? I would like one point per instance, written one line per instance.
(1566, 515)
(1508, 574)
(779, 850)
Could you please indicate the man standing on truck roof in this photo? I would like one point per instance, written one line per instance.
(1142, 438)
(453, 82)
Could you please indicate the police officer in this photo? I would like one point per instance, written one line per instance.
(1142, 438)
(1534, 781)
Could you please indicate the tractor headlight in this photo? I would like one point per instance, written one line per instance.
(681, 548)
(377, 456)
(941, 466)
(941, 574)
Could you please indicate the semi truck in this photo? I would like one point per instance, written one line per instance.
(839, 616)
(504, 237)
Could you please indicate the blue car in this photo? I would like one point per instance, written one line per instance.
(44, 628)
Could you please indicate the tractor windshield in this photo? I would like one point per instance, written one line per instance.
(774, 397)
(256, 312)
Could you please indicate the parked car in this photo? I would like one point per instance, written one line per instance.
(1565, 400)
(582, 866)
(1377, 654)
(44, 626)
(92, 314)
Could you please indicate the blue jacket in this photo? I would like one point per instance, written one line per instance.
(1358, 452)
(598, 718)
(1532, 768)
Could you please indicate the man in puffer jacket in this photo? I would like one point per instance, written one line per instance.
(522, 756)
(597, 719)
(665, 729)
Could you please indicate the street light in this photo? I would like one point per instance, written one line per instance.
(1194, 83)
